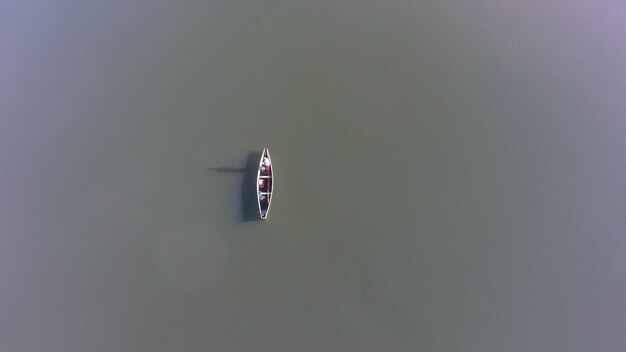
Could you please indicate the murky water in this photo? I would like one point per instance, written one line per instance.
(449, 176)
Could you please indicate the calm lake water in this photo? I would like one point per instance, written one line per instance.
(450, 176)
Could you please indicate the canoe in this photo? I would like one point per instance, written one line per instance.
(265, 183)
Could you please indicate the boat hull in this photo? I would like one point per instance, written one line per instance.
(265, 184)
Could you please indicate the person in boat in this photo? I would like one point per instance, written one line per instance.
(261, 196)
(266, 162)
(265, 165)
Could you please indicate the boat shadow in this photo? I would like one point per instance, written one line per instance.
(227, 169)
(249, 205)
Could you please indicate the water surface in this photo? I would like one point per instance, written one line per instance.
(449, 176)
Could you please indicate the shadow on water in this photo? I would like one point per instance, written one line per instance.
(227, 169)
(249, 206)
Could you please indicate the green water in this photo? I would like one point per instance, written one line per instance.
(448, 177)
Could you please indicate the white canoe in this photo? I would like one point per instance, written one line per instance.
(265, 183)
